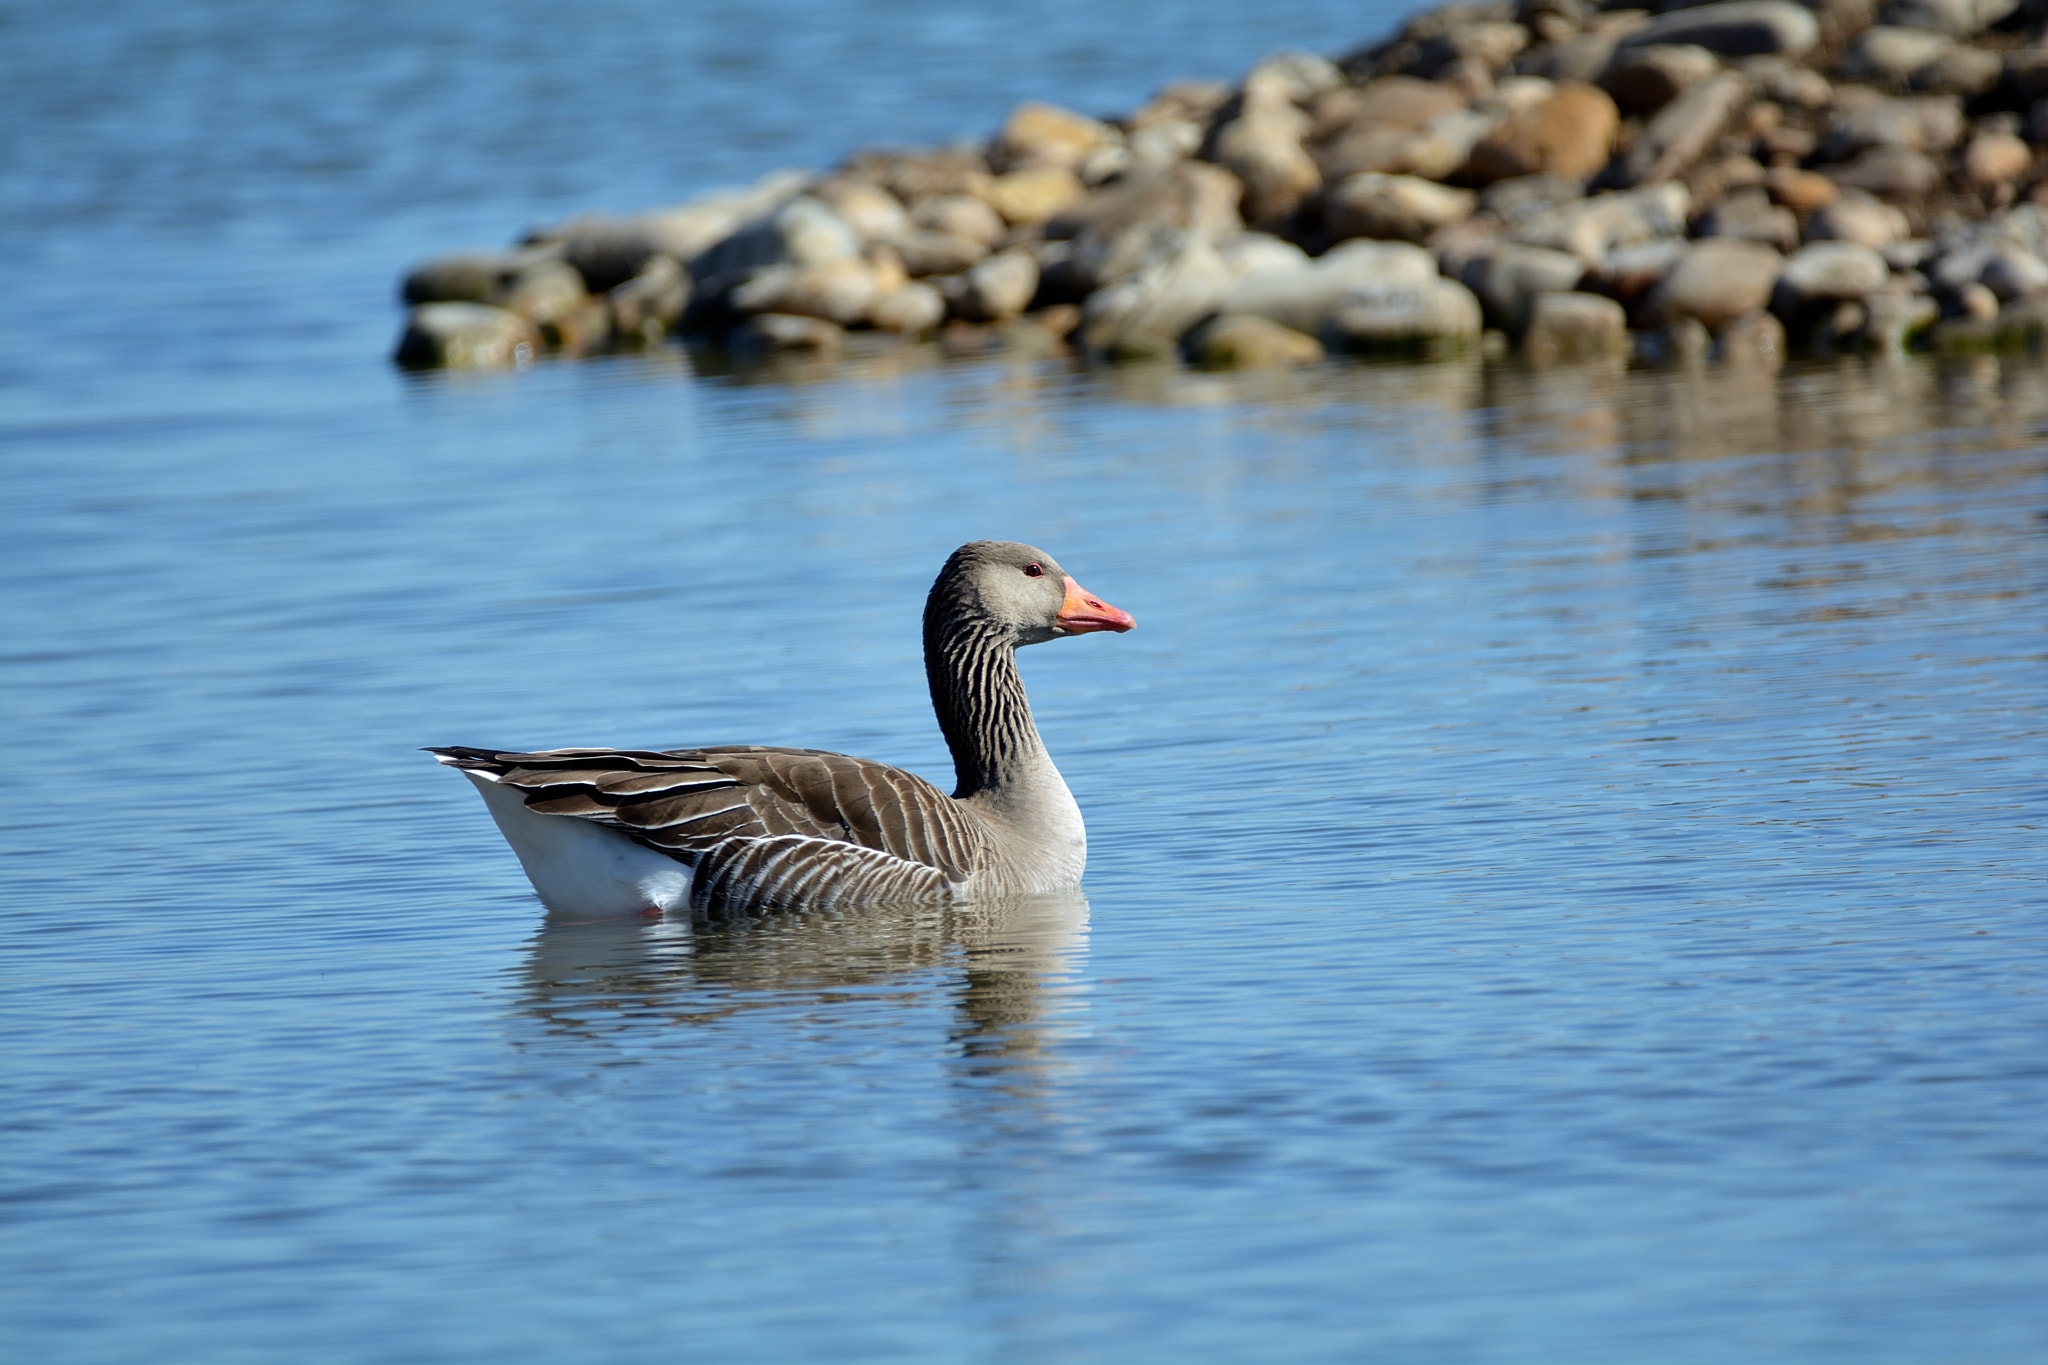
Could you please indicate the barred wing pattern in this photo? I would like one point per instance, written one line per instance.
(764, 828)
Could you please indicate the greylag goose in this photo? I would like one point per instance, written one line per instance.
(742, 827)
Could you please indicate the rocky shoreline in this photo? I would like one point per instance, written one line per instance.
(1735, 181)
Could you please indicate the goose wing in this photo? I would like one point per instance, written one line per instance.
(755, 820)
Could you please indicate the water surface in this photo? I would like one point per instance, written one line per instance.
(1566, 875)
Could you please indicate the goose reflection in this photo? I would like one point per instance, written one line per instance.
(1011, 967)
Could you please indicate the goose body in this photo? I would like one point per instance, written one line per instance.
(741, 827)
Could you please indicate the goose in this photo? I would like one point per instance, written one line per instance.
(744, 828)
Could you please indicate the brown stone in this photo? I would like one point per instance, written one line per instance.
(1683, 131)
(1038, 134)
(1800, 191)
(1645, 79)
(910, 308)
(1569, 133)
(1889, 172)
(959, 215)
(1566, 326)
(994, 289)
(1401, 207)
(466, 336)
(1247, 342)
(1263, 150)
(1994, 159)
(1033, 194)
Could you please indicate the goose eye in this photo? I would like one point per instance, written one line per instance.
(1033, 571)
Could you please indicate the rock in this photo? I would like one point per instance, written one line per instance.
(1802, 192)
(1121, 227)
(1030, 196)
(1737, 28)
(1146, 313)
(1248, 342)
(1302, 299)
(1519, 198)
(912, 176)
(1568, 133)
(1627, 273)
(1976, 301)
(1681, 341)
(993, 290)
(1263, 150)
(959, 215)
(801, 232)
(1893, 321)
(1749, 213)
(911, 308)
(545, 293)
(1890, 56)
(1794, 87)
(1591, 228)
(1583, 56)
(2013, 272)
(470, 277)
(1038, 134)
(926, 253)
(1927, 124)
(1686, 127)
(1432, 316)
(1966, 71)
(1830, 271)
(1993, 159)
(1508, 281)
(836, 291)
(874, 214)
(1254, 253)
(1958, 18)
(465, 336)
(1889, 172)
(1643, 80)
(2026, 73)
(1755, 340)
(1565, 326)
(764, 334)
(646, 307)
(1400, 102)
(1403, 207)
(1856, 217)
(1716, 281)
(1297, 76)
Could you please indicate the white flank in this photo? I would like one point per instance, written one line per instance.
(579, 868)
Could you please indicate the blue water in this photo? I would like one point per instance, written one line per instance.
(1567, 879)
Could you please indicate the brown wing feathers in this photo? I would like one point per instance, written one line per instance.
(765, 825)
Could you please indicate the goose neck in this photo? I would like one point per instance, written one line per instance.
(982, 710)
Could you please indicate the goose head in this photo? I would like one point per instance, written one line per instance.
(1017, 593)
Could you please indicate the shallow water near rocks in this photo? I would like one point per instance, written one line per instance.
(1566, 872)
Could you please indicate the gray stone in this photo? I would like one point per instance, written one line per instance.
(1399, 207)
(1565, 326)
(1889, 172)
(927, 253)
(1432, 316)
(1891, 55)
(1966, 71)
(1303, 298)
(1591, 228)
(1831, 271)
(1930, 123)
(874, 214)
(1508, 281)
(470, 277)
(1628, 273)
(1738, 28)
(801, 232)
(1519, 198)
(1146, 313)
(1256, 253)
(1716, 281)
(1686, 127)
(1795, 87)
(1893, 321)
(465, 336)
(960, 215)
(1122, 227)
(1959, 18)
(835, 291)
(544, 292)
(1748, 212)
(1246, 342)
(1856, 217)
(1645, 79)
(994, 289)
(2013, 272)
(649, 305)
